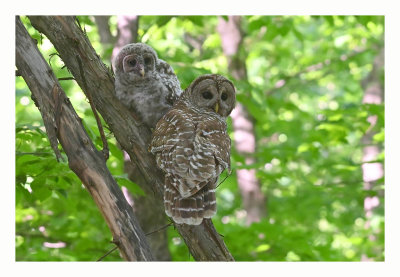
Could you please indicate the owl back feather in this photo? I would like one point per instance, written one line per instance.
(189, 148)
(192, 147)
(189, 210)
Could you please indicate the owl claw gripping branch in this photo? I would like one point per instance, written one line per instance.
(192, 147)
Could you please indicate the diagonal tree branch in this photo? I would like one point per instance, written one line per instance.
(203, 240)
(63, 124)
(148, 208)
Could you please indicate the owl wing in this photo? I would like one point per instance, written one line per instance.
(211, 155)
(169, 79)
(172, 141)
(219, 142)
(192, 154)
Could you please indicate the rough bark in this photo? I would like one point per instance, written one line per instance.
(148, 209)
(253, 198)
(71, 43)
(63, 124)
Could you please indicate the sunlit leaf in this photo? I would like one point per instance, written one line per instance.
(133, 188)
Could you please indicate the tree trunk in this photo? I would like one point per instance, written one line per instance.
(127, 32)
(71, 43)
(104, 29)
(373, 94)
(253, 198)
(89, 165)
(148, 209)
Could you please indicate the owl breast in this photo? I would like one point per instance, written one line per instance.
(149, 100)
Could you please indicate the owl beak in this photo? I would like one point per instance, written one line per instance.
(216, 107)
(142, 71)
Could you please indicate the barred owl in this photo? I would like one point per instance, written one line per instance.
(144, 83)
(192, 147)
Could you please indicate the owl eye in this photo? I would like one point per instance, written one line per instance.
(224, 96)
(132, 62)
(147, 60)
(207, 94)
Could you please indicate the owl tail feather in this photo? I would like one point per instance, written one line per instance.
(210, 202)
(190, 210)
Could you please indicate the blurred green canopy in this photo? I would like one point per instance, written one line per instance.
(305, 89)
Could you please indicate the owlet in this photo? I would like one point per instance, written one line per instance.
(144, 83)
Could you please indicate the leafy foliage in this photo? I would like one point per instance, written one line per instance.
(304, 91)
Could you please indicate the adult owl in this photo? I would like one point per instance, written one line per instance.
(192, 147)
(144, 83)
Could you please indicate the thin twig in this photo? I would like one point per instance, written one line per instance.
(108, 253)
(34, 153)
(66, 78)
(224, 179)
(51, 56)
(160, 229)
(152, 232)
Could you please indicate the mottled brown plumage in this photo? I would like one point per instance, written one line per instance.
(193, 148)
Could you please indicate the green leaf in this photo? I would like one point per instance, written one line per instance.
(332, 127)
(330, 20)
(263, 247)
(133, 187)
(335, 117)
(225, 17)
(197, 20)
(379, 137)
(40, 190)
(284, 29)
(272, 32)
(298, 35)
(308, 138)
(162, 20)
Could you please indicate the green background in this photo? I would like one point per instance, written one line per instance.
(308, 142)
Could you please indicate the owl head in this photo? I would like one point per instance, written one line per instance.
(212, 92)
(136, 61)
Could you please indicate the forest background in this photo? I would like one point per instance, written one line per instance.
(308, 138)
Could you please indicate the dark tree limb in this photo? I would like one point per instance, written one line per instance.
(105, 150)
(148, 208)
(203, 241)
(63, 125)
